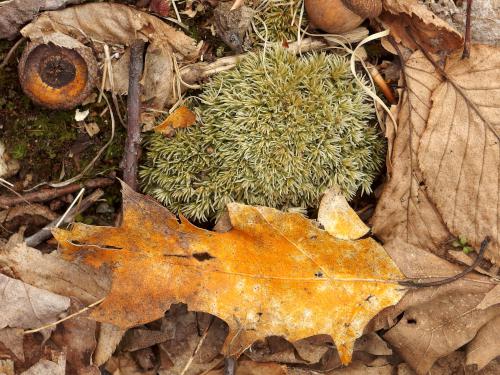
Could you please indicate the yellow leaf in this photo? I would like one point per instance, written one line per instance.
(182, 117)
(273, 273)
(339, 219)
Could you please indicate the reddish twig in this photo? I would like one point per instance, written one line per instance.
(424, 284)
(45, 195)
(467, 38)
(133, 142)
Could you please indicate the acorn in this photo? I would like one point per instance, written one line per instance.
(341, 16)
(57, 77)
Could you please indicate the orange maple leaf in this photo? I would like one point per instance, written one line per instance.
(273, 273)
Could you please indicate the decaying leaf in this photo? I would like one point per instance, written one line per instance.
(273, 273)
(195, 343)
(24, 306)
(55, 366)
(484, 347)
(255, 368)
(446, 155)
(50, 272)
(418, 337)
(12, 339)
(16, 13)
(182, 117)
(77, 337)
(409, 20)
(109, 338)
(459, 149)
(339, 219)
(119, 24)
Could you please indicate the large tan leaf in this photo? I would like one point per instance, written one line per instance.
(404, 211)
(446, 183)
(273, 273)
(459, 152)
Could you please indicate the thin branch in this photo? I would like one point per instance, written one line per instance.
(467, 38)
(45, 195)
(419, 284)
(45, 233)
(64, 319)
(133, 142)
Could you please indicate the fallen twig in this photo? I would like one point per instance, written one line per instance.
(467, 38)
(424, 284)
(11, 52)
(45, 233)
(133, 142)
(49, 194)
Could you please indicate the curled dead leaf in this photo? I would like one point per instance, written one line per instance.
(409, 20)
(119, 24)
(182, 117)
(273, 273)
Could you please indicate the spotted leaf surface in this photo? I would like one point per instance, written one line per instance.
(273, 273)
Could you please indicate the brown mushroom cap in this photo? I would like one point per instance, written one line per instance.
(340, 16)
(57, 77)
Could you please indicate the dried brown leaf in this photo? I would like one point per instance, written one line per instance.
(409, 20)
(403, 210)
(491, 298)
(484, 347)
(12, 339)
(459, 152)
(56, 366)
(50, 272)
(16, 13)
(76, 336)
(24, 306)
(196, 342)
(109, 338)
(446, 155)
(432, 330)
(119, 24)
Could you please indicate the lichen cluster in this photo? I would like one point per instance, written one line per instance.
(275, 131)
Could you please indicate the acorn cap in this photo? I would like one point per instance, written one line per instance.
(340, 16)
(57, 77)
(364, 8)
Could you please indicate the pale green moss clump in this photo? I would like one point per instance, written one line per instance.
(278, 20)
(274, 134)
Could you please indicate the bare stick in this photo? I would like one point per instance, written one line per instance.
(7, 58)
(467, 37)
(424, 284)
(45, 195)
(45, 233)
(133, 142)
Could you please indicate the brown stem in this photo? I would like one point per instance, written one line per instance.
(467, 38)
(45, 195)
(133, 142)
(423, 284)
(45, 233)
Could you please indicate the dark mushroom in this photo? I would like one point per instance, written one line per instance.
(340, 16)
(57, 77)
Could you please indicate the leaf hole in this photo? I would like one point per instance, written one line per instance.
(411, 321)
(201, 257)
